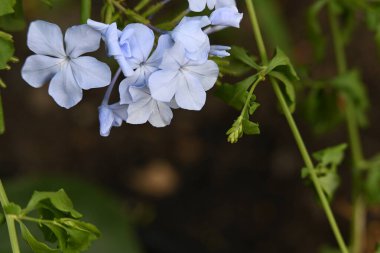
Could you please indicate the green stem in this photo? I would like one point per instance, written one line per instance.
(130, 13)
(141, 5)
(297, 136)
(10, 221)
(85, 10)
(358, 224)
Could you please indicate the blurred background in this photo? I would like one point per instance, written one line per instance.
(183, 188)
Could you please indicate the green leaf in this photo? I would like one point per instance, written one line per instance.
(231, 66)
(37, 246)
(377, 248)
(2, 218)
(250, 128)
(282, 64)
(372, 182)
(330, 183)
(14, 21)
(6, 6)
(315, 30)
(241, 54)
(235, 95)
(290, 93)
(351, 85)
(12, 209)
(56, 200)
(332, 156)
(6, 49)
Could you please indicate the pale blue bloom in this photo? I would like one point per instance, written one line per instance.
(183, 79)
(65, 68)
(147, 109)
(195, 41)
(144, 68)
(129, 47)
(220, 51)
(111, 116)
(226, 16)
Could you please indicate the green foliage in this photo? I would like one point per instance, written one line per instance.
(315, 29)
(37, 246)
(6, 49)
(2, 219)
(372, 181)
(328, 161)
(242, 55)
(12, 209)
(7, 6)
(353, 89)
(14, 21)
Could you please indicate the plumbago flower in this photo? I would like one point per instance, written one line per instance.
(176, 73)
(65, 68)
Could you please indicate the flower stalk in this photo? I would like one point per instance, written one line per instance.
(296, 133)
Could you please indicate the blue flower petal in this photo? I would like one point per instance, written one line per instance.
(81, 39)
(64, 88)
(163, 84)
(226, 16)
(40, 69)
(190, 94)
(90, 73)
(111, 115)
(206, 73)
(46, 39)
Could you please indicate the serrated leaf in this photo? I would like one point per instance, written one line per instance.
(290, 92)
(37, 246)
(235, 95)
(6, 6)
(6, 49)
(331, 156)
(282, 64)
(14, 21)
(241, 54)
(351, 85)
(58, 200)
(315, 30)
(12, 209)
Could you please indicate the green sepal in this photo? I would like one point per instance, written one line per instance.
(235, 95)
(7, 6)
(53, 201)
(35, 245)
(14, 21)
(351, 85)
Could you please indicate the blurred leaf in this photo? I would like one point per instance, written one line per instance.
(58, 200)
(6, 49)
(273, 23)
(328, 249)
(377, 250)
(14, 21)
(2, 218)
(235, 95)
(12, 209)
(6, 6)
(250, 128)
(37, 246)
(322, 108)
(315, 30)
(372, 182)
(351, 85)
(282, 64)
(241, 54)
(328, 161)
(48, 2)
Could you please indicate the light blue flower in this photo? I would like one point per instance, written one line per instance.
(129, 47)
(144, 68)
(183, 79)
(65, 68)
(220, 51)
(111, 116)
(226, 16)
(146, 109)
(195, 41)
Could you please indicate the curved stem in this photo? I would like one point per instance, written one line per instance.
(10, 221)
(85, 10)
(358, 224)
(107, 96)
(297, 136)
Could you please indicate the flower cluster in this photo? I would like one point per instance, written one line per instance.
(176, 73)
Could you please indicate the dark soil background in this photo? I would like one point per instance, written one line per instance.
(190, 190)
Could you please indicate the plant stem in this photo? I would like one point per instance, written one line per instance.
(358, 224)
(130, 13)
(141, 5)
(297, 136)
(85, 10)
(110, 87)
(10, 221)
